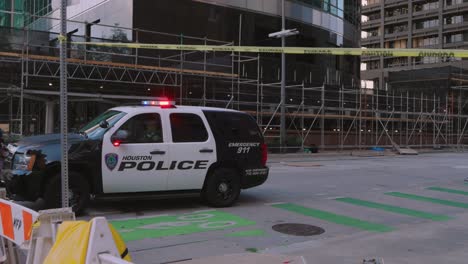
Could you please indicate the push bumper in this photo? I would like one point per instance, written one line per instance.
(21, 185)
(254, 177)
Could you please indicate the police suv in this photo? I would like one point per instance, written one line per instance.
(152, 148)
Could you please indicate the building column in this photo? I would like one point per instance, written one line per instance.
(49, 117)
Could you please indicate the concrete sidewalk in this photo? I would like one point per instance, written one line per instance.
(339, 155)
(327, 155)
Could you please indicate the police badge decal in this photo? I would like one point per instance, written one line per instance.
(111, 160)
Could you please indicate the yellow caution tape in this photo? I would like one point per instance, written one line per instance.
(62, 38)
(293, 50)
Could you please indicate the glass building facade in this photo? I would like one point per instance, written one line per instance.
(11, 13)
(18, 13)
(33, 25)
(321, 23)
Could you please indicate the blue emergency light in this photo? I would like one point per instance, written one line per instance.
(165, 103)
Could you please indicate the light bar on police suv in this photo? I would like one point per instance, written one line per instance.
(165, 103)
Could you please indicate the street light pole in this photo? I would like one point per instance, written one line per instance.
(283, 82)
(63, 102)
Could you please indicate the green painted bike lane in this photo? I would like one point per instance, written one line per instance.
(428, 199)
(184, 224)
(447, 190)
(334, 218)
(394, 209)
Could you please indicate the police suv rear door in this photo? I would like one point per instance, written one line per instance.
(193, 147)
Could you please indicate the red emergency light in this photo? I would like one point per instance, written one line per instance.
(165, 103)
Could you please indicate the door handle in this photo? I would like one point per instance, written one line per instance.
(206, 151)
(158, 152)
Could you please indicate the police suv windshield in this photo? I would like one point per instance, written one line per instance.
(94, 131)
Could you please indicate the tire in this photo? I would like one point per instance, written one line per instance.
(79, 188)
(222, 188)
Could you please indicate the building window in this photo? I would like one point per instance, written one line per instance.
(426, 6)
(370, 65)
(454, 20)
(396, 12)
(397, 44)
(370, 33)
(373, 46)
(454, 2)
(426, 24)
(424, 42)
(396, 29)
(335, 7)
(454, 38)
(370, 2)
(396, 62)
(5, 18)
(369, 84)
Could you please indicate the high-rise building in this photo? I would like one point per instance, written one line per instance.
(435, 24)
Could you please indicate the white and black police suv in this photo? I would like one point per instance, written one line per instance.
(152, 148)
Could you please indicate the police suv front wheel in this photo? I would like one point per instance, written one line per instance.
(222, 188)
(78, 192)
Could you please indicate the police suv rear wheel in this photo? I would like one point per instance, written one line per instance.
(78, 192)
(222, 188)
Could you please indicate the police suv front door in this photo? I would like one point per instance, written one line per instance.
(139, 163)
(193, 147)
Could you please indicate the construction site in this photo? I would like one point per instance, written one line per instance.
(323, 110)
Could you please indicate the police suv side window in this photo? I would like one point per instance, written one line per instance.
(234, 126)
(187, 128)
(143, 128)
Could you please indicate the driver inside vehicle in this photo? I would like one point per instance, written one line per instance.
(152, 132)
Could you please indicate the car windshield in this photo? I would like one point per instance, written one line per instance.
(94, 131)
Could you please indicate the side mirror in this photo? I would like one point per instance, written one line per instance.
(119, 137)
(104, 124)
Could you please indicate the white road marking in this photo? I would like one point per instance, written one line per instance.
(334, 197)
(270, 204)
(204, 211)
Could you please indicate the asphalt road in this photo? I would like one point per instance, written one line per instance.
(404, 209)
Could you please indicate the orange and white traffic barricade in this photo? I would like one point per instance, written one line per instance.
(16, 222)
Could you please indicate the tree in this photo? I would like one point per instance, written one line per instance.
(118, 35)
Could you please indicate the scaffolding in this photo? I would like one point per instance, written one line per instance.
(348, 118)
(333, 115)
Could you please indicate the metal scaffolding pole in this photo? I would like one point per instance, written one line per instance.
(181, 79)
(407, 119)
(322, 120)
(377, 115)
(459, 120)
(283, 82)
(447, 129)
(421, 125)
(64, 102)
(302, 118)
(341, 127)
(434, 111)
(204, 76)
